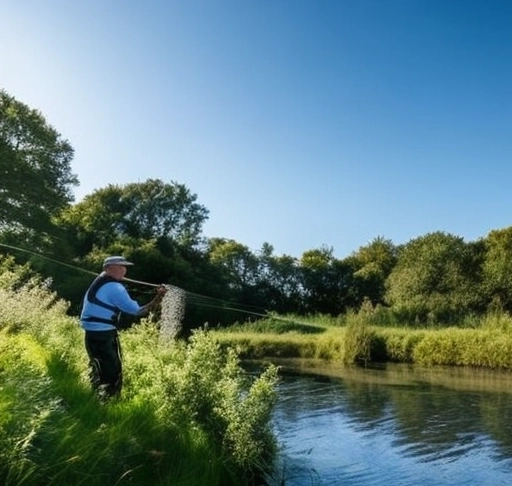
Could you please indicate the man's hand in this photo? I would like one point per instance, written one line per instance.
(160, 292)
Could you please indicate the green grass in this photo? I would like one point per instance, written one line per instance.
(188, 415)
(55, 432)
(371, 336)
(325, 344)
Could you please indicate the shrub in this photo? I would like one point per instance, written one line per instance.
(204, 386)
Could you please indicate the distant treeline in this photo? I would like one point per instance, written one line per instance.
(437, 277)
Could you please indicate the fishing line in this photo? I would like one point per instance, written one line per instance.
(74, 267)
(191, 297)
(204, 300)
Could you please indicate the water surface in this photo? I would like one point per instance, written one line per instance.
(393, 425)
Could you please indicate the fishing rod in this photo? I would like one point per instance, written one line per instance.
(74, 267)
(195, 298)
(148, 284)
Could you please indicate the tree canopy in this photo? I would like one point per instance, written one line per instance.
(140, 211)
(497, 268)
(374, 262)
(35, 172)
(433, 278)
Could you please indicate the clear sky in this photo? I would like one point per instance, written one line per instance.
(301, 123)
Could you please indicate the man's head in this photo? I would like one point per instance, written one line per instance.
(115, 266)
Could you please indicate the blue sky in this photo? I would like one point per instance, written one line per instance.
(301, 123)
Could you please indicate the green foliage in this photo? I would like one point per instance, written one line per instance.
(465, 347)
(261, 346)
(13, 276)
(434, 280)
(203, 387)
(374, 262)
(240, 264)
(22, 406)
(140, 211)
(484, 342)
(35, 165)
(287, 337)
(497, 269)
(400, 344)
(277, 325)
(358, 340)
(26, 303)
(496, 321)
(326, 282)
(55, 432)
(156, 225)
(280, 283)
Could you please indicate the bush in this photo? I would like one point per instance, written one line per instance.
(201, 385)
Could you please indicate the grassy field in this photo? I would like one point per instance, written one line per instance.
(188, 415)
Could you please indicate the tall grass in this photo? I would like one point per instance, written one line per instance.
(374, 335)
(358, 340)
(286, 337)
(188, 414)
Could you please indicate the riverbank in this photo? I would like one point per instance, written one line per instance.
(461, 378)
(486, 345)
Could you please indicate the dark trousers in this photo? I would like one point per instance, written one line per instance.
(104, 351)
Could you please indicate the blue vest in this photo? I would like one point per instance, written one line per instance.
(98, 282)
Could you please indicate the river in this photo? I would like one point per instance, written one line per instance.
(393, 425)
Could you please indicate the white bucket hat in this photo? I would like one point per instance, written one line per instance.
(116, 260)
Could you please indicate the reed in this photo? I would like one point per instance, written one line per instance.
(465, 347)
(358, 341)
(360, 338)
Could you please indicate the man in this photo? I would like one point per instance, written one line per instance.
(105, 299)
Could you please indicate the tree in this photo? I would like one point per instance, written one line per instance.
(497, 268)
(434, 279)
(280, 282)
(138, 211)
(238, 261)
(35, 171)
(153, 223)
(326, 282)
(373, 264)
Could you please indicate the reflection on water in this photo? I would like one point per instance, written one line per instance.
(397, 425)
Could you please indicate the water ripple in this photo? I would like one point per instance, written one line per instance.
(350, 434)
